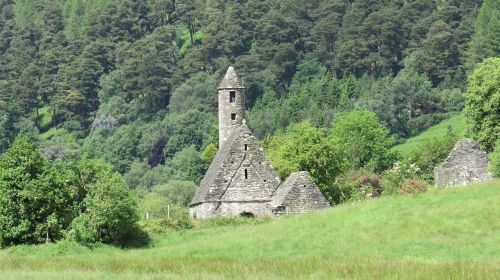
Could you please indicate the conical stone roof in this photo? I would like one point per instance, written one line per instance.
(231, 80)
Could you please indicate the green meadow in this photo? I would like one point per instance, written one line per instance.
(455, 124)
(441, 234)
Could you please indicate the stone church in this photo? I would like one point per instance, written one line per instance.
(240, 181)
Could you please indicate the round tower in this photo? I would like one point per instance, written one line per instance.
(231, 104)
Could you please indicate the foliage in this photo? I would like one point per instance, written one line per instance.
(178, 192)
(358, 185)
(208, 155)
(9, 116)
(455, 125)
(484, 43)
(41, 201)
(413, 186)
(365, 142)
(302, 147)
(431, 153)
(35, 200)
(495, 160)
(400, 172)
(482, 103)
(109, 214)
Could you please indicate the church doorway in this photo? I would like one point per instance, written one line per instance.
(247, 214)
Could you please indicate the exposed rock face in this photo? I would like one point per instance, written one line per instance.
(240, 180)
(466, 164)
(298, 194)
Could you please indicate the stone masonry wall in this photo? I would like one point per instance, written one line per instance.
(226, 124)
(465, 164)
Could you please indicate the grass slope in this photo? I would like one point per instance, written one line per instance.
(443, 234)
(456, 122)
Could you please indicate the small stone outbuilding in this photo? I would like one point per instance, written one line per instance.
(465, 164)
(298, 194)
(240, 179)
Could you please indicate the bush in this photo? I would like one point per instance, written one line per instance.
(159, 226)
(179, 192)
(358, 185)
(156, 206)
(399, 174)
(110, 215)
(413, 186)
(431, 153)
(482, 103)
(365, 142)
(495, 160)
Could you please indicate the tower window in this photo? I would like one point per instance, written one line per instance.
(233, 117)
(232, 96)
(246, 173)
(246, 147)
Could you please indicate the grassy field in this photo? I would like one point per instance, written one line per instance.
(442, 234)
(456, 122)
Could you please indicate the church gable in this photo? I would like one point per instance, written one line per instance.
(239, 172)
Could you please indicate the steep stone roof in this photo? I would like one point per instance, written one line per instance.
(231, 80)
(300, 193)
(281, 192)
(223, 181)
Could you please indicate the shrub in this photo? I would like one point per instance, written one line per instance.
(159, 226)
(179, 192)
(156, 206)
(495, 160)
(110, 215)
(482, 103)
(431, 153)
(358, 185)
(397, 175)
(365, 142)
(413, 186)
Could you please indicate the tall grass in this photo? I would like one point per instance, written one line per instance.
(442, 234)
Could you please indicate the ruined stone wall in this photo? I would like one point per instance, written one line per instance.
(465, 164)
(237, 208)
(203, 210)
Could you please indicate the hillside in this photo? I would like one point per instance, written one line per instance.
(442, 234)
(454, 124)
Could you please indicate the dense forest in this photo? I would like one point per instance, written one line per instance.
(133, 83)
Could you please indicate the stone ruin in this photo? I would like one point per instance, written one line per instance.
(466, 164)
(240, 180)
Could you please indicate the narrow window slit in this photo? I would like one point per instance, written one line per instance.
(232, 96)
(246, 173)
